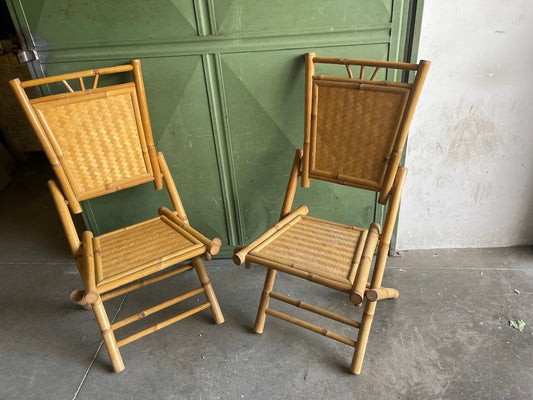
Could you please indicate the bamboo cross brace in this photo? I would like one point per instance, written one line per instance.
(314, 309)
(154, 309)
(162, 325)
(145, 282)
(311, 327)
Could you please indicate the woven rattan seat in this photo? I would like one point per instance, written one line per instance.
(303, 244)
(355, 131)
(98, 141)
(145, 245)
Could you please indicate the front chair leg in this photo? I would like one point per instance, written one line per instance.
(208, 288)
(362, 338)
(265, 299)
(108, 335)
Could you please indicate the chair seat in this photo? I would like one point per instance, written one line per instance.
(141, 249)
(316, 247)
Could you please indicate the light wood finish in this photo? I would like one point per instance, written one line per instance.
(381, 293)
(355, 129)
(98, 140)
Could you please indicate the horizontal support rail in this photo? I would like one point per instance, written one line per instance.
(311, 327)
(342, 287)
(156, 308)
(145, 282)
(315, 309)
(163, 324)
(76, 75)
(368, 63)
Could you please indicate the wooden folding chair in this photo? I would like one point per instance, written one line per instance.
(99, 140)
(355, 131)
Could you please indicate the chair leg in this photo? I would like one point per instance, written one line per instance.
(209, 292)
(108, 335)
(265, 299)
(362, 338)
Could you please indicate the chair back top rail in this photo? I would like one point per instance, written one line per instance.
(77, 75)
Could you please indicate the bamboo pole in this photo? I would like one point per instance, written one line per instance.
(260, 318)
(87, 264)
(152, 310)
(47, 146)
(212, 246)
(422, 71)
(381, 294)
(341, 287)
(311, 327)
(314, 309)
(171, 188)
(98, 268)
(67, 86)
(291, 186)
(75, 75)
(388, 228)
(362, 338)
(240, 256)
(278, 233)
(309, 72)
(141, 95)
(198, 266)
(162, 325)
(356, 261)
(108, 336)
(83, 299)
(361, 278)
(368, 63)
(143, 283)
(66, 219)
(379, 267)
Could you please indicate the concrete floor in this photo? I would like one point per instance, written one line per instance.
(446, 337)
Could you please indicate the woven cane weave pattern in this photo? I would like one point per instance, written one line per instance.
(315, 246)
(138, 245)
(356, 129)
(98, 139)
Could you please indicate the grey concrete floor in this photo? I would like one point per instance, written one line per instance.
(446, 337)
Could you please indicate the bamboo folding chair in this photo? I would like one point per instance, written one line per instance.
(99, 140)
(355, 131)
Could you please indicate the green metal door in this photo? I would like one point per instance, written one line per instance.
(224, 81)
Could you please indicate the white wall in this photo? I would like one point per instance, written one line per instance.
(470, 150)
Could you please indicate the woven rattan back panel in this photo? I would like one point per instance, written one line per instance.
(98, 138)
(353, 130)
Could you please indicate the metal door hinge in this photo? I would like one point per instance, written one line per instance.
(25, 56)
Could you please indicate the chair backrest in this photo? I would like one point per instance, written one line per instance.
(98, 139)
(356, 127)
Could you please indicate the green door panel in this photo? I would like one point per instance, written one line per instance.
(58, 24)
(225, 88)
(238, 17)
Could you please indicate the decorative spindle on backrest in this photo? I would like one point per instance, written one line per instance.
(95, 73)
(347, 64)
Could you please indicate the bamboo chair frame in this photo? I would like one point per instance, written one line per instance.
(108, 264)
(370, 162)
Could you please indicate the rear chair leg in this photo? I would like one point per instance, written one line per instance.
(108, 335)
(265, 299)
(209, 292)
(362, 338)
